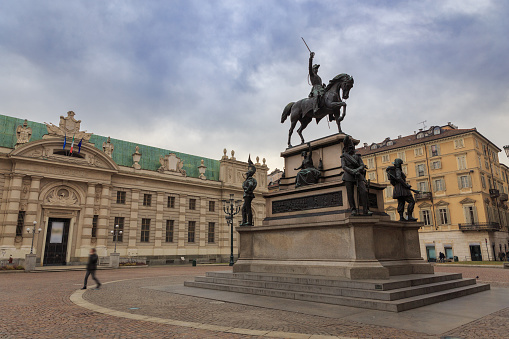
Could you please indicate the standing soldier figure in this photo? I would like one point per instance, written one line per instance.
(402, 190)
(248, 186)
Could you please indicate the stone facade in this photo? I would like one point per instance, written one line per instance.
(78, 198)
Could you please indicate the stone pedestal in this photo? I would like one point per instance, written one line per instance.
(309, 230)
(114, 260)
(30, 260)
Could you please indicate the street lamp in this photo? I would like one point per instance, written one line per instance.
(33, 235)
(231, 207)
(116, 233)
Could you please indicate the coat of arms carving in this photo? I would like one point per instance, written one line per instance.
(68, 126)
(171, 163)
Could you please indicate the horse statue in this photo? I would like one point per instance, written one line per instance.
(302, 110)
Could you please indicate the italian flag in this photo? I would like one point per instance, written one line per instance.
(72, 144)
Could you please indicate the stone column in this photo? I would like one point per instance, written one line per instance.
(102, 224)
(12, 210)
(86, 228)
(133, 221)
(160, 226)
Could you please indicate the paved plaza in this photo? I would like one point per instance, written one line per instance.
(152, 303)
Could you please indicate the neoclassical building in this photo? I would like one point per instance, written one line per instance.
(167, 204)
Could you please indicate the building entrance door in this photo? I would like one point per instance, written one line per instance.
(475, 253)
(56, 241)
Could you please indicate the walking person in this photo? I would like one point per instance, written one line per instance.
(91, 268)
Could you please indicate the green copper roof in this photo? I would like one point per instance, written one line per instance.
(122, 153)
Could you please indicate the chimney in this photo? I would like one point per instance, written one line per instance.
(399, 136)
(365, 144)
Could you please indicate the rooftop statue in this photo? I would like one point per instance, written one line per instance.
(323, 100)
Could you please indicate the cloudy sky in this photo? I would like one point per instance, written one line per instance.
(200, 76)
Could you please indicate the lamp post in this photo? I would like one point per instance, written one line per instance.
(231, 207)
(116, 233)
(33, 235)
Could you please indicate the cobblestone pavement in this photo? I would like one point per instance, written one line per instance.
(38, 305)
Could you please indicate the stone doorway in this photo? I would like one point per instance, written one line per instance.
(57, 237)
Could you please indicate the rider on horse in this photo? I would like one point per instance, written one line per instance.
(318, 89)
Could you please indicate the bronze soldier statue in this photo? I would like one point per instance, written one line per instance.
(402, 190)
(248, 186)
(318, 89)
(355, 175)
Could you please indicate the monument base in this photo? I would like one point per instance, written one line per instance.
(352, 248)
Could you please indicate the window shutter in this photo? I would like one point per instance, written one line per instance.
(435, 188)
(459, 182)
(438, 149)
(416, 170)
(421, 216)
(443, 184)
(437, 216)
(469, 181)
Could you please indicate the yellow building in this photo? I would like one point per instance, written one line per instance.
(464, 204)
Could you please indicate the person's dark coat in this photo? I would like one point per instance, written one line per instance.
(92, 262)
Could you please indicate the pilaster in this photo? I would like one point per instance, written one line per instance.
(133, 220)
(86, 228)
(159, 224)
(11, 212)
(102, 224)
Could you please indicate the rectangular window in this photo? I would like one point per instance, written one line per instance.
(371, 163)
(458, 143)
(484, 149)
(147, 199)
(212, 206)
(20, 224)
(94, 226)
(462, 162)
(372, 176)
(439, 185)
(191, 228)
(192, 204)
(211, 233)
(145, 230)
(436, 164)
(486, 164)
(420, 170)
(464, 181)
(418, 152)
(422, 186)
(388, 192)
(171, 202)
(401, 155)
(169, 230)
(476, 143)
(386, 158)
(426, 217)
(120, 197)
(120, 222)
(443, 216)
(483, 181)
(480, 162)
(434, 150)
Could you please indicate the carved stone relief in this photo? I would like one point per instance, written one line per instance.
(171, 163)
(62, 196)
(68, 126)
(23, 134)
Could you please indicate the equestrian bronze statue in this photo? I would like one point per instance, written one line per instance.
(322, 101)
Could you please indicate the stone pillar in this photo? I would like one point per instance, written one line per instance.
(114, 260)
(133, 221)
(12, 210)
(86, 228)
(30, 262)
(202, 227)
(102, 224)
(182, 223)
(159, 226)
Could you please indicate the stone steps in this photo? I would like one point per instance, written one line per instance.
(395, 295)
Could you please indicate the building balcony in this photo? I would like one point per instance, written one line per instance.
(494, 193)
(423, 196)
(480, 226)
(503, 197)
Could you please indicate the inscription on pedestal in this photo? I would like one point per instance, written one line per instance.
(308, 203)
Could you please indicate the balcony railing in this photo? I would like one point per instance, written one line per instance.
(494, 193)
(503, 197)
(423, 196)
(480, 226)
